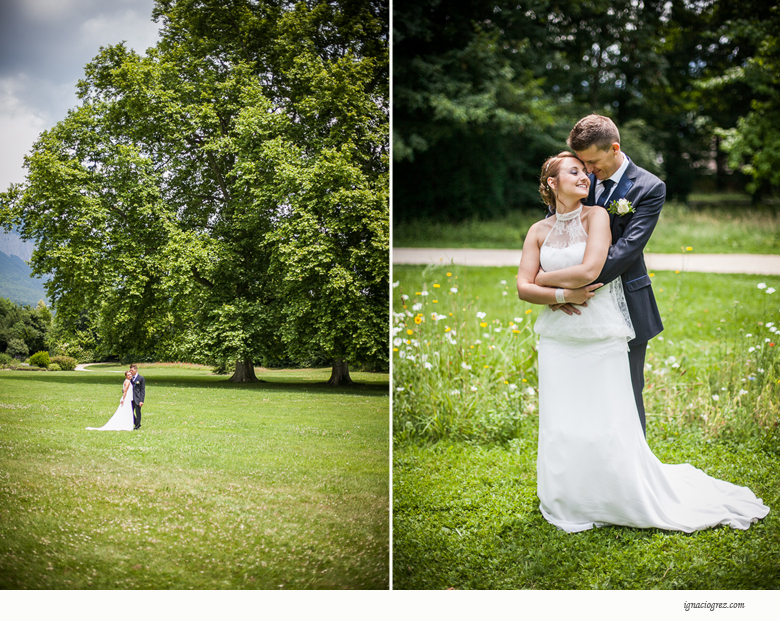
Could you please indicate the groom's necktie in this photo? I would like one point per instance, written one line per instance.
(607, 184)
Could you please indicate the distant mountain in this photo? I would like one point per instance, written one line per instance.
(11, 243)
(16, 282)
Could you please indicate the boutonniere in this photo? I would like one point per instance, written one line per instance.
(621, 207)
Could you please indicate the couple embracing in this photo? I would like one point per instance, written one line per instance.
(128, 415)
(585, 263)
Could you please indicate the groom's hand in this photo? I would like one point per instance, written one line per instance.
(140, 405)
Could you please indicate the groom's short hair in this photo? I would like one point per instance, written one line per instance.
(593, 129)
(134, 366)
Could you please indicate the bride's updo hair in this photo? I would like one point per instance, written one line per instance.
(550, 170)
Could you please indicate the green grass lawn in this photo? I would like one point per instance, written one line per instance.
(707, 229)
(280, 484)
(465, 511)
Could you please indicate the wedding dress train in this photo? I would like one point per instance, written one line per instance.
(122, 420)
(594, 466)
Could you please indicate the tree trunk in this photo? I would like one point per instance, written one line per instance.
(720, 166)
(245, 372)
(339, 375)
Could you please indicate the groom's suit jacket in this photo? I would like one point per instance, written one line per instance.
(630, 234)
(139, 389)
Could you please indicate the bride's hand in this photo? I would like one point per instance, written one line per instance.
(569, 309)
(581, 295)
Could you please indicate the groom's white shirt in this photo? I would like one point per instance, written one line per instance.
(616, 177)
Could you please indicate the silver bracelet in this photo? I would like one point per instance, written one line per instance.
(559, 296)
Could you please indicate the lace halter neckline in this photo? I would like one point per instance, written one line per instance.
(563, 217)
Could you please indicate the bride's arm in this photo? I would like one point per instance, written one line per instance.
(527, 287)
(599, 239)
(125, 388)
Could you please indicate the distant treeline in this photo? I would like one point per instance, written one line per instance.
(483, 92)
(24, 330)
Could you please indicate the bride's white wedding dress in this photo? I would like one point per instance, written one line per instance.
(594, 466)
(122, 420)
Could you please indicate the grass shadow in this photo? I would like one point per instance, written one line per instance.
(217, 382)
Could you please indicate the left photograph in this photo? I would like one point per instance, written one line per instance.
(194, 260)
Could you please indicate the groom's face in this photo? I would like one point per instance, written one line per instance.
(602, 163)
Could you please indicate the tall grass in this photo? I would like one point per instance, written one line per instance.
(464, 363)
(463, 368)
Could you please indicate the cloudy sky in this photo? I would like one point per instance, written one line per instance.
(44, 45)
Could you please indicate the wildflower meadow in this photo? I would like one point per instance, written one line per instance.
(465, 420)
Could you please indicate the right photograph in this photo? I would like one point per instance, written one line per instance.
(586, 230)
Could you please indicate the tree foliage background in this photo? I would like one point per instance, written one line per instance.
(485, 91)
(24, 330)
(224, 198)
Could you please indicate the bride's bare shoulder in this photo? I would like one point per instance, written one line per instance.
(542, 227)
(588, 210)
(594, 213)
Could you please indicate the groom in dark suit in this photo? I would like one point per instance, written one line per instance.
(596, 141)
(139, 394)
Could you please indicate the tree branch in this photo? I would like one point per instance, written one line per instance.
(200, 280)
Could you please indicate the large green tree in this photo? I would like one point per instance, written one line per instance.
(225, 197)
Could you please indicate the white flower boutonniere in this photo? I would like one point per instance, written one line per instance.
(621, 207)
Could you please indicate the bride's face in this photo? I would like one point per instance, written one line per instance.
(573, 182)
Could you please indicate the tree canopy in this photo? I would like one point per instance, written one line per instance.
(224, 198)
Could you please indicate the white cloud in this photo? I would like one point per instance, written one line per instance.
(20, 126)
(44, 45)
(54, 10)
(137, 29)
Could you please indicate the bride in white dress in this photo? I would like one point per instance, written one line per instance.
(594, 466)
(122, 420)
